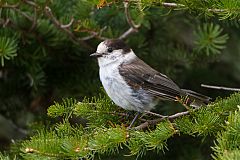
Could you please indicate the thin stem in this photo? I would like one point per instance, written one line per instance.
(165, 4)
(178, 5)
(155, 121)
(155, 114)
(62, 27)
(128, 17)
(133, 27)
(68, 25)
(93, 34)
(127, 33)
(220, 88)
(15, 7)
(34, 22)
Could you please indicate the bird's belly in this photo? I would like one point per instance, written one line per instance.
(123, 95)
(118, 92)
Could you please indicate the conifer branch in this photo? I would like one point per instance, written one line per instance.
(10, 6)
(62, 27)
(155, 114)
(24, 14)
(175, 5)
(133, 27)
(65, 28)
(179, 5)
(214, 10)
(69, 24)
(155, 121)
(220, 88)
(128, 16)
(104, 140)
(34, 22)
(127, 33)
(93, 34)
(15, 7)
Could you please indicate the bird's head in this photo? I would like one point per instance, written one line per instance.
(112, 51)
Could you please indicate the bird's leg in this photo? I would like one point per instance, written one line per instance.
(134, 119)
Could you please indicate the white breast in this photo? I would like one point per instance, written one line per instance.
(116, 87)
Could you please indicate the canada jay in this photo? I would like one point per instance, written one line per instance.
(134, 85)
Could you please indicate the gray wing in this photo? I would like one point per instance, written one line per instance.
(140, 75)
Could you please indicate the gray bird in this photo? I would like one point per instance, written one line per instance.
(134, 85)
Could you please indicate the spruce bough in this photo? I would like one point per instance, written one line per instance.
(219, 119)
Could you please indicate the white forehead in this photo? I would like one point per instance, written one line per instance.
(101, 47)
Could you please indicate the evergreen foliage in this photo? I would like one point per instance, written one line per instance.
(44, 56)
(228, 140)
(67, 141)
(8, 49)
(209, 39)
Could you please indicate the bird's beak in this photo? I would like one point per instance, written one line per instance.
(96, 54)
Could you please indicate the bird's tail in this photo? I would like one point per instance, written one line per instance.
(196, 99)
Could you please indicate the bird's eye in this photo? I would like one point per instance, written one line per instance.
(109, 50)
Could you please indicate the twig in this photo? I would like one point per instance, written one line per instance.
(215, 10)
(176, 5)
(10, 6)
(127, 33)
(15, 7)
(68, 25)
(24, 14)
(76, 40)
(155, 114)
(94, 34)
(220, 88)
(49, 14)
(133, 27)
(165, 4)
(155, 121)
(87, 37)
(178, 115)
(34, 22)
(99, 35)
(128, 17)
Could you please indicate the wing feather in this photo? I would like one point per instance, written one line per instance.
(140, 75)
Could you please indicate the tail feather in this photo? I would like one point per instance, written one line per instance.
(197, 99)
